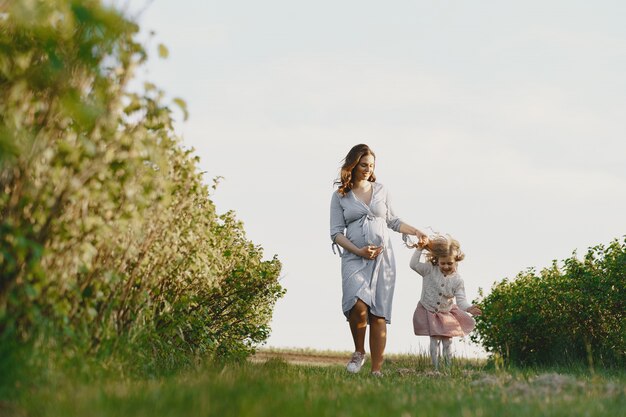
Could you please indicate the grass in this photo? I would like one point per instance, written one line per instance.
(276, 388)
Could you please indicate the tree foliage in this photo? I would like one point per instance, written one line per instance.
(107, 231)
(573, 313)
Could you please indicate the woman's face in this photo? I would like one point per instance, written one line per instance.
(447, 265)
(364, 169)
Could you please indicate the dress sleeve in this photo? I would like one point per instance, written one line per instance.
(337, 219)
(461, 299)
(393, 221)
(421, 268)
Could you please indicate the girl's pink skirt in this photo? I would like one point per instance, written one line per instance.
(454, 323)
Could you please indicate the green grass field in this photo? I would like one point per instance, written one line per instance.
(276, 388)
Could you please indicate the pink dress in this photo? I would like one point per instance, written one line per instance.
(436, 314)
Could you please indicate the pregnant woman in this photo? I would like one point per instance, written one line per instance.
(360, 216)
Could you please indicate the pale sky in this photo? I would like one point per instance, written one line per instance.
(502, 124)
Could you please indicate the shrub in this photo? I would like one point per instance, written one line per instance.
(107, 231)
(572, 313)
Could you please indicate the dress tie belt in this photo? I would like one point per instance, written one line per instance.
(368, 233)
(369, 230)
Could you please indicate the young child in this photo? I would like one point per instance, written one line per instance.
(436, 315)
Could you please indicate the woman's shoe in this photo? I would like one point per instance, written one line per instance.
(356, 362)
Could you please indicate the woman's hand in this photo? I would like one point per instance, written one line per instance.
(410, 230)
(367, 252)
(474, 311)
(423, 242)
(370, 251)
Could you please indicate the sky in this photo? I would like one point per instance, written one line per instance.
(500, 123)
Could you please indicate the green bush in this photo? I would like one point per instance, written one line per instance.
(108, 235)
(573, 313)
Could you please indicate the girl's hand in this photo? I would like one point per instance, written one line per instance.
(370, 251)
(474, 311)
(423, 242)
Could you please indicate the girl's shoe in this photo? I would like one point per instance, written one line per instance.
(356, 362)
(377, 374)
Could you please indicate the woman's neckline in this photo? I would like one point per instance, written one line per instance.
(371, 197)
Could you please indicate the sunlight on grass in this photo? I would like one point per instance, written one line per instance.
(276, 388)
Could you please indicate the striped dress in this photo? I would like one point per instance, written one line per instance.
(371, 280)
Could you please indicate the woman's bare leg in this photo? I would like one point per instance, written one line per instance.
(378, 341)
(358, 325)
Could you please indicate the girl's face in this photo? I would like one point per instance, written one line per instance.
(364, 169)
(447, 265)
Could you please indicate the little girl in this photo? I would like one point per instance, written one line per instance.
(436, 315)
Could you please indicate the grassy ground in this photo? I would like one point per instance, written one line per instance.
(273, 387)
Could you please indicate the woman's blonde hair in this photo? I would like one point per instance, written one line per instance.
(443, 246)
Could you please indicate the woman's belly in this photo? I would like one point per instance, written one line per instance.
(368, 231)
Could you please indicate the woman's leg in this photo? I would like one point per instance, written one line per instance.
(434, 351)
(378, 341)
(358, 325)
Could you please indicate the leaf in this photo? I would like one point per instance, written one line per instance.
(182, 104)
(163, 51)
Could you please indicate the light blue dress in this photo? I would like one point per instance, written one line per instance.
(371, 280)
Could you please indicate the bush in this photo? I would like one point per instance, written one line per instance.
(108, 235)
(573, 313)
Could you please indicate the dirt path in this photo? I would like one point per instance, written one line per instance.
(301, 358)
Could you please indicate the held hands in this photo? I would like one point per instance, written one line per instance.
(474, 310)
(408, 231)
(418, 233)
(370, 251)
(410, 243)
(421, 244)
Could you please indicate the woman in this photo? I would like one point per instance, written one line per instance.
(361, 208)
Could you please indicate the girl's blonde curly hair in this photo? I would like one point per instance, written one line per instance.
(443, 246)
